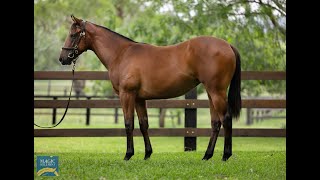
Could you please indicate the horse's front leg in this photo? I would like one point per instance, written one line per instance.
(127, 100)
(143, 122)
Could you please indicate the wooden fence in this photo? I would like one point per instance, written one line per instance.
(88, 113)
(190, 104)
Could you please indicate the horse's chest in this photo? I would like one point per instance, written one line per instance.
(114, 78)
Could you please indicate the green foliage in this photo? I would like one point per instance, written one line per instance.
(256, 28)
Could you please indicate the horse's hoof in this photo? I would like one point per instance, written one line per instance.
(226, 156)
(147, 155)
(128, 156)
(207, 156)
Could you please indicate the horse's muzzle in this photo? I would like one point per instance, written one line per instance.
(65, 61)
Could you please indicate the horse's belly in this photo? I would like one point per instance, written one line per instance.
(168, 89)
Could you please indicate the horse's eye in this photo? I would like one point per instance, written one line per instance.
(72, 36)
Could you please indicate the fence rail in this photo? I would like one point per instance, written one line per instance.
(190, 104)
(164, 103)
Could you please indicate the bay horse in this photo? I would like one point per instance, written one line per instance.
(140, 71)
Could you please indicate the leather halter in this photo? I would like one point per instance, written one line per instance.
(74, 50)
(73, 56)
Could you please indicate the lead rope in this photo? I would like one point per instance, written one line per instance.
(65, 112)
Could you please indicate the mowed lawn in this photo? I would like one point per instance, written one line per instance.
(102, 158)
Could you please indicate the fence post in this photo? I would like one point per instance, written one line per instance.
(249, 116)
(88, 114)
(116, 115)
(258, 115)
(49, 88)
(162, 115)
(190, 120)
(54, 112)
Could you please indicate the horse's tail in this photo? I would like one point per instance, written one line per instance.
(234, 97)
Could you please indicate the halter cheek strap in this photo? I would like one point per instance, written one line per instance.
(74, 50)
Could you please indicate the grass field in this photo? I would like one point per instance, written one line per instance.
(101, 158)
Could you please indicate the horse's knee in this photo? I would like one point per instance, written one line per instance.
(128, 127)
(144, 125)
(215, 126)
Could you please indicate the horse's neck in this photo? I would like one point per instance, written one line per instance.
(107, 46)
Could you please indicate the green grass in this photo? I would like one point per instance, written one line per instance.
(101, 158)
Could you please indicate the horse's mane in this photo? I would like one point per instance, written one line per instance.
(116, 33)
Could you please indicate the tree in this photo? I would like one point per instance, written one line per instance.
(256, 27)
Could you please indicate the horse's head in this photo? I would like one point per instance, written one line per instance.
(74, 44)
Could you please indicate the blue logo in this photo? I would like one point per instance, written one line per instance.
(47, 166)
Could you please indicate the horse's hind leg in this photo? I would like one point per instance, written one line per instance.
(218, 106)
(127, 100)
(227, 126)
(143, 122)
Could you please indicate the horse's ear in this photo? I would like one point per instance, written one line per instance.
(76, 20)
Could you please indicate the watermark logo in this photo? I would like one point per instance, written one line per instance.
(47, 166)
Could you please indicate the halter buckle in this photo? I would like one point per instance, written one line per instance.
(69, 55)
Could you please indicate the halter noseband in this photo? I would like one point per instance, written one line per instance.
(74, 53)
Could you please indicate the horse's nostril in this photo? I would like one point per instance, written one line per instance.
(60, 59)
